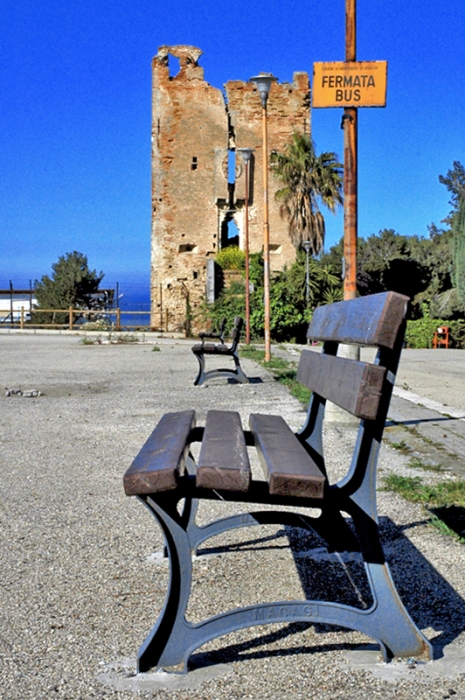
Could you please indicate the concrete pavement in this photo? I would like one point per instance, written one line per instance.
(427, 410)
(80, 582)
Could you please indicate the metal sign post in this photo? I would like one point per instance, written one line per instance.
(350, 84)
(350, 125)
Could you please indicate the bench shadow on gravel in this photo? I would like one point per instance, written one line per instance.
(418, 421)
(429, 598)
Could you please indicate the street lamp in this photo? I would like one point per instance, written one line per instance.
(307, 247)
(264, 82)
(246, 156)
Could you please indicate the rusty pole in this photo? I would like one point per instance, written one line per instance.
(350, 167)
(266, 240)
(247, 274)
(264, 82)
(246, 157)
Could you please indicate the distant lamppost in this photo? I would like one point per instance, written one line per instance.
(246, 156)
(263, 82)
(307, 246)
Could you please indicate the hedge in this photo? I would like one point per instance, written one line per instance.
(420, 332)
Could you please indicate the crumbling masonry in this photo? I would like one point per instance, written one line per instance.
(198, 181)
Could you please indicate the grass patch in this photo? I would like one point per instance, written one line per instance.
(450, 520)
(416, 433)
(418, 463)
(111, 338)
(124, 338)
(445, 529)
(284, 372)
(252, 353)
(401, 446)
(445, 501)
(88, 341)
(412, 488)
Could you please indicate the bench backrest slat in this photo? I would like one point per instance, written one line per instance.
(236, 331)
(374, 320)
(162, 458)
(354, 386)
(223, 461)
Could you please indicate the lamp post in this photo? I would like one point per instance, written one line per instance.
(246, 156)
(264, 82)
(307, 246)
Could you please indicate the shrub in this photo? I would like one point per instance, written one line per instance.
(420, 333)
(231, 258)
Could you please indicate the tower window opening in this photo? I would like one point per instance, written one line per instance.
(174, 65)
(194, 163)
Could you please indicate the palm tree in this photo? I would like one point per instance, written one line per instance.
(308, 179)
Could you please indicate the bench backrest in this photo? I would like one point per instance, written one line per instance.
(361, 388)
(358, 387)
(373, 320)
(235, 333)
(219, 333)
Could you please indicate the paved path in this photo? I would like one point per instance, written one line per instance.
(80, 584)
(427, 412)
(428, 407)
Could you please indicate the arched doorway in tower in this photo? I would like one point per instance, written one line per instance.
(229, 231)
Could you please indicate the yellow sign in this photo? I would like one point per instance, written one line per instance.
(350, 84)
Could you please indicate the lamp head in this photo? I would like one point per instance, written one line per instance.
(307, 246)
(264, 81)
(246, 154)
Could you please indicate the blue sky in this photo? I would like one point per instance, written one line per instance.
(75, 89)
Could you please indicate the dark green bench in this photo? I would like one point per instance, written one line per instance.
(203, 349)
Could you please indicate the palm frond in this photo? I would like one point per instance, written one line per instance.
(308, 179)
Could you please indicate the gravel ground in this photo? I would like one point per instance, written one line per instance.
(82, 579)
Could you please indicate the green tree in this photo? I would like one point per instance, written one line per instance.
(308, 180)
(71, 284)
(289, 312)
(458, 231)
(454, 180)
(412, 265)
(446, 301)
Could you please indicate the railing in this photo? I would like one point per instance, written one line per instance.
(106, 315)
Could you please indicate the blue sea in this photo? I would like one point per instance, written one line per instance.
(133, 296)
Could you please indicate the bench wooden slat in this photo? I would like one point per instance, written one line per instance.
(211, 349)
(354, 386)
(287, 465)
(223, 461)
(162, 458)
(374, 320)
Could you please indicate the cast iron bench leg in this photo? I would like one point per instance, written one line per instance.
(173, 639)
(236, 373)
(199, 380)
(400, 637)
(161, 646)
(240, 374)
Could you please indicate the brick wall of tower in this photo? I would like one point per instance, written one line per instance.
(192, 130)
(288, 109)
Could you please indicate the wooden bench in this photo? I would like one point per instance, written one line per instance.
(164, 473)
(220, 350)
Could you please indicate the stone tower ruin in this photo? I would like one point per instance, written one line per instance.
(198, 182)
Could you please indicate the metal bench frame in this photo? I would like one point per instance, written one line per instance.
(202, 349)
(173, 639)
